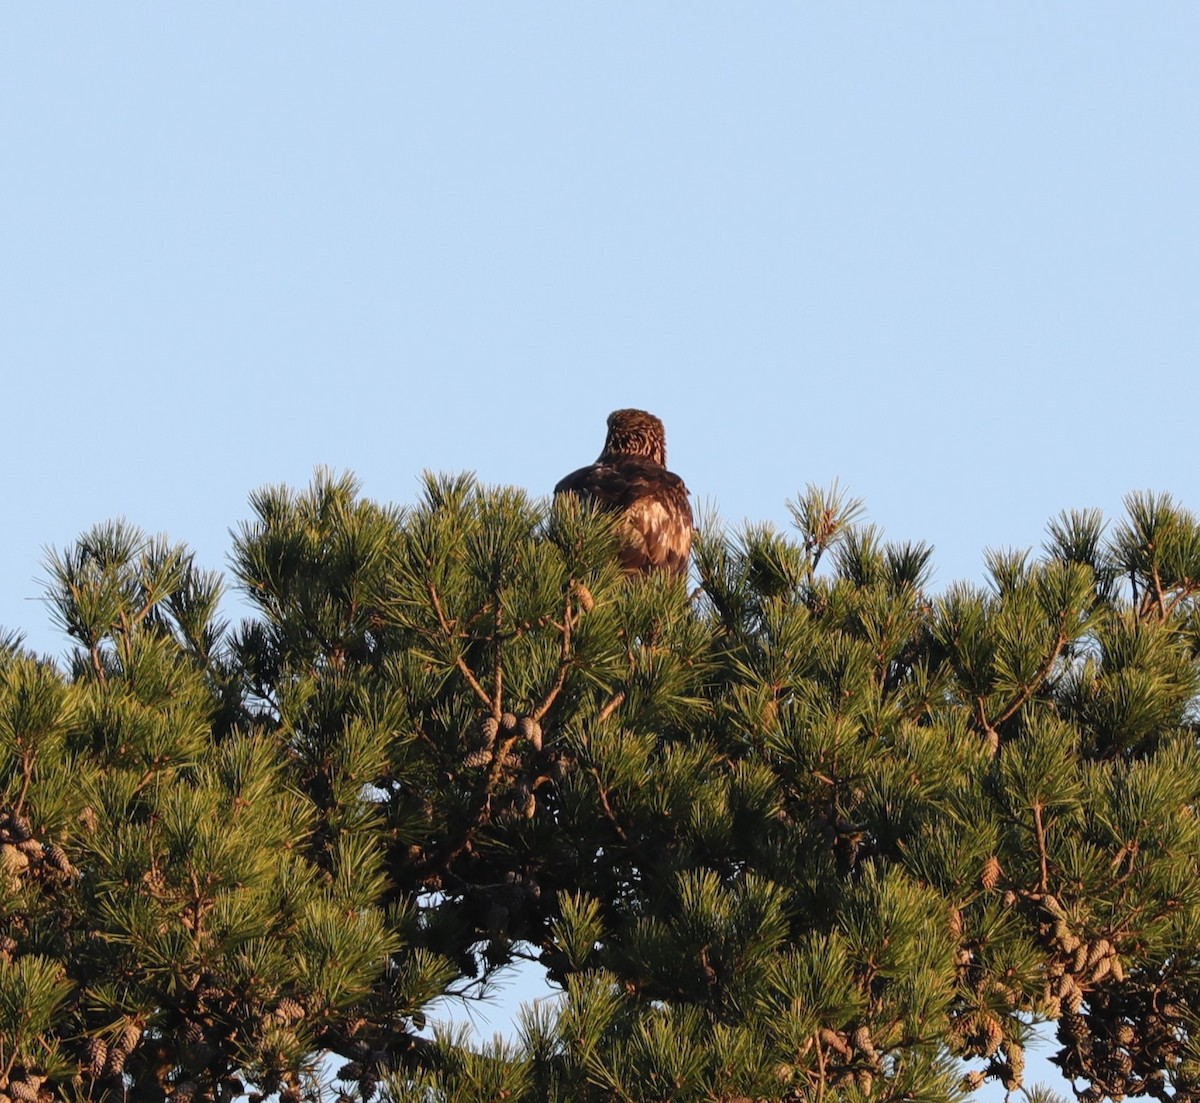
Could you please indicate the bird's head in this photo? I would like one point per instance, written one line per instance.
(635, 433)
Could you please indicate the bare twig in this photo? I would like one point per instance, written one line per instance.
(1043, 862)
(991, 727)
(1155, 598)
(1188, 590)
(608, 809)
(97, 665)
(564, 663)
(27, 772)
(820, 1070)
(614, 703)
(459, 661)
(993, 736)
(498, 663)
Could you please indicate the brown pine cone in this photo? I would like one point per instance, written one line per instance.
(97, 1057)
(488, 727)
(289, 1010)
(56, 857)
(531, 730)
(482, 756)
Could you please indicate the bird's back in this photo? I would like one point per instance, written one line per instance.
(656, 528)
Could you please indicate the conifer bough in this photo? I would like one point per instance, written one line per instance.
(811, 832)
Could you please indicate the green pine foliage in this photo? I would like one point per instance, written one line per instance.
(807, 831)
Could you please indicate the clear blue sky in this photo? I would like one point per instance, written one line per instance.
(947, 253)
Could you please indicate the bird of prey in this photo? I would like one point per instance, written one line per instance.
(631, 478)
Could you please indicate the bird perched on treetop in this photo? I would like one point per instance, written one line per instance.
(631, 478)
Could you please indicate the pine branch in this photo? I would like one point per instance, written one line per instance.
(498, 659)
(991, 727)
(1043, 861)
(564, 662)
(614, 703)
(459, 661)
(608, 809)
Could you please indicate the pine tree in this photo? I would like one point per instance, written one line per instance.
(808, 831)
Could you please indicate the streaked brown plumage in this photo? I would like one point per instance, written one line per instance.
(631, 478)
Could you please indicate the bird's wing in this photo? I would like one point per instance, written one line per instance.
(603, 483)
(657, 527)
(656, 521)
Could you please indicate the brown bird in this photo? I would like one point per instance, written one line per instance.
(631, 478)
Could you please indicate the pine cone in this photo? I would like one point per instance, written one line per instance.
(508, 722)
(835, 1042)
(994, 1035)
(530, 729)
(120, 1050)
(584, 596)
(488, 727)
(479, 757)
(1075, 1027)
(864, 1044)
(57, 859)
(97, 1057)
(289, 1010)
(991, 873)
(130, 1036)
(1051, 904)
(23, 1091)
(351, 1070)
(12, 860)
